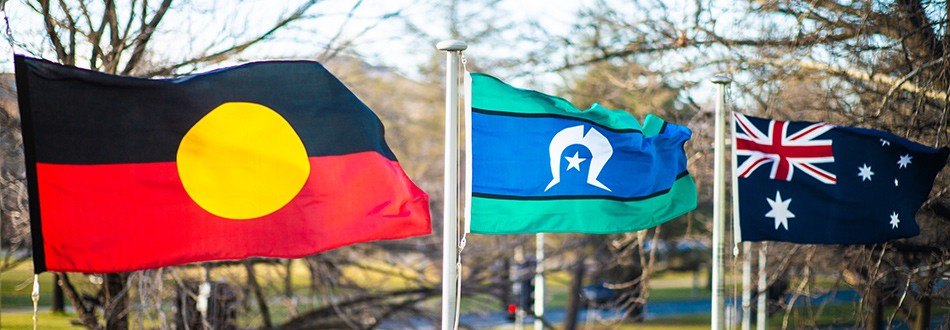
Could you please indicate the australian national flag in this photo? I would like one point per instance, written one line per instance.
(816, 183)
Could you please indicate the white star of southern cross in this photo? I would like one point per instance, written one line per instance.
(894, 220)
(905, 160)
(895, 182)
(779, 210)
(885, 142)
(574, 162)
(865, 172)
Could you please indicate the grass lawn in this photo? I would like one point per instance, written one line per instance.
(680, 323)
(46, 321)
(678, 294)
(16, 286)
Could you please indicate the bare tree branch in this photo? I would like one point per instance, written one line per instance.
(233, 50)
(53, 33)
(144, 35)
(871, 77)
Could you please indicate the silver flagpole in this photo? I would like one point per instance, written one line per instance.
(719, 210)
(450, 237)
(762, 312)
(539, 281)
(746, 285)
(737, 228)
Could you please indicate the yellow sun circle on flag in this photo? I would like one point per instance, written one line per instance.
(242, 161)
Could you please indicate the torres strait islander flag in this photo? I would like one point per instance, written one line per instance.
(816, 183)
(538, 164)
(274, 159)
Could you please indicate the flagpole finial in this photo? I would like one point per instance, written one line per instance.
(451, 45)
(721, 79)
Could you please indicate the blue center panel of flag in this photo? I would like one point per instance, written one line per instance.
(513, 158)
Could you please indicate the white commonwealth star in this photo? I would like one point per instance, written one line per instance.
(905, 160)
(779, 210)
(574, 162)
(865, 172)
(894, 220)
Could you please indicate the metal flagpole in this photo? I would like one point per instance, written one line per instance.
(737, 228)
(762, 312)
(450, 238)
(719, 210)
(539, 281)
(746, 285)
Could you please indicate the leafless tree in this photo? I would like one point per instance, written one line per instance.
(873, 64)
(145, 39)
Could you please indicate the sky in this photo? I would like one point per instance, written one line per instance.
(381, 42)
(205, 26)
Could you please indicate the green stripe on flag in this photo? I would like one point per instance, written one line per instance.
(599, 216)
(492, 94)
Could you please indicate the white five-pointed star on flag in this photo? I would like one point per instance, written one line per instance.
(574, 162)
(865, 172)
(780, 210)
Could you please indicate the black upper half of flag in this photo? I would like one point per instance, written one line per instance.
(88, 117)
(869, 192)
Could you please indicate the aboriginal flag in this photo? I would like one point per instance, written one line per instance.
(272, 159)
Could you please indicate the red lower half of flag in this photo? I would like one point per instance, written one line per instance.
(124, 217)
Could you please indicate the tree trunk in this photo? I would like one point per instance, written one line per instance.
(504, 281)
(923, 314)
(289, 288)
(288, 282)
(86, 316)
(259, 294)
(574, 296)
(59, 299)
(116, 301)
(875, 318)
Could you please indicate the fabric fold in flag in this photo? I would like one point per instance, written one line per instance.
(270, 159)
(539, 164)
(815, 183)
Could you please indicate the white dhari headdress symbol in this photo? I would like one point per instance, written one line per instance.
(598, 145)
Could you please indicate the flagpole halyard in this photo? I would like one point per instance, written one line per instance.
(450, 238)
(719, 210)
